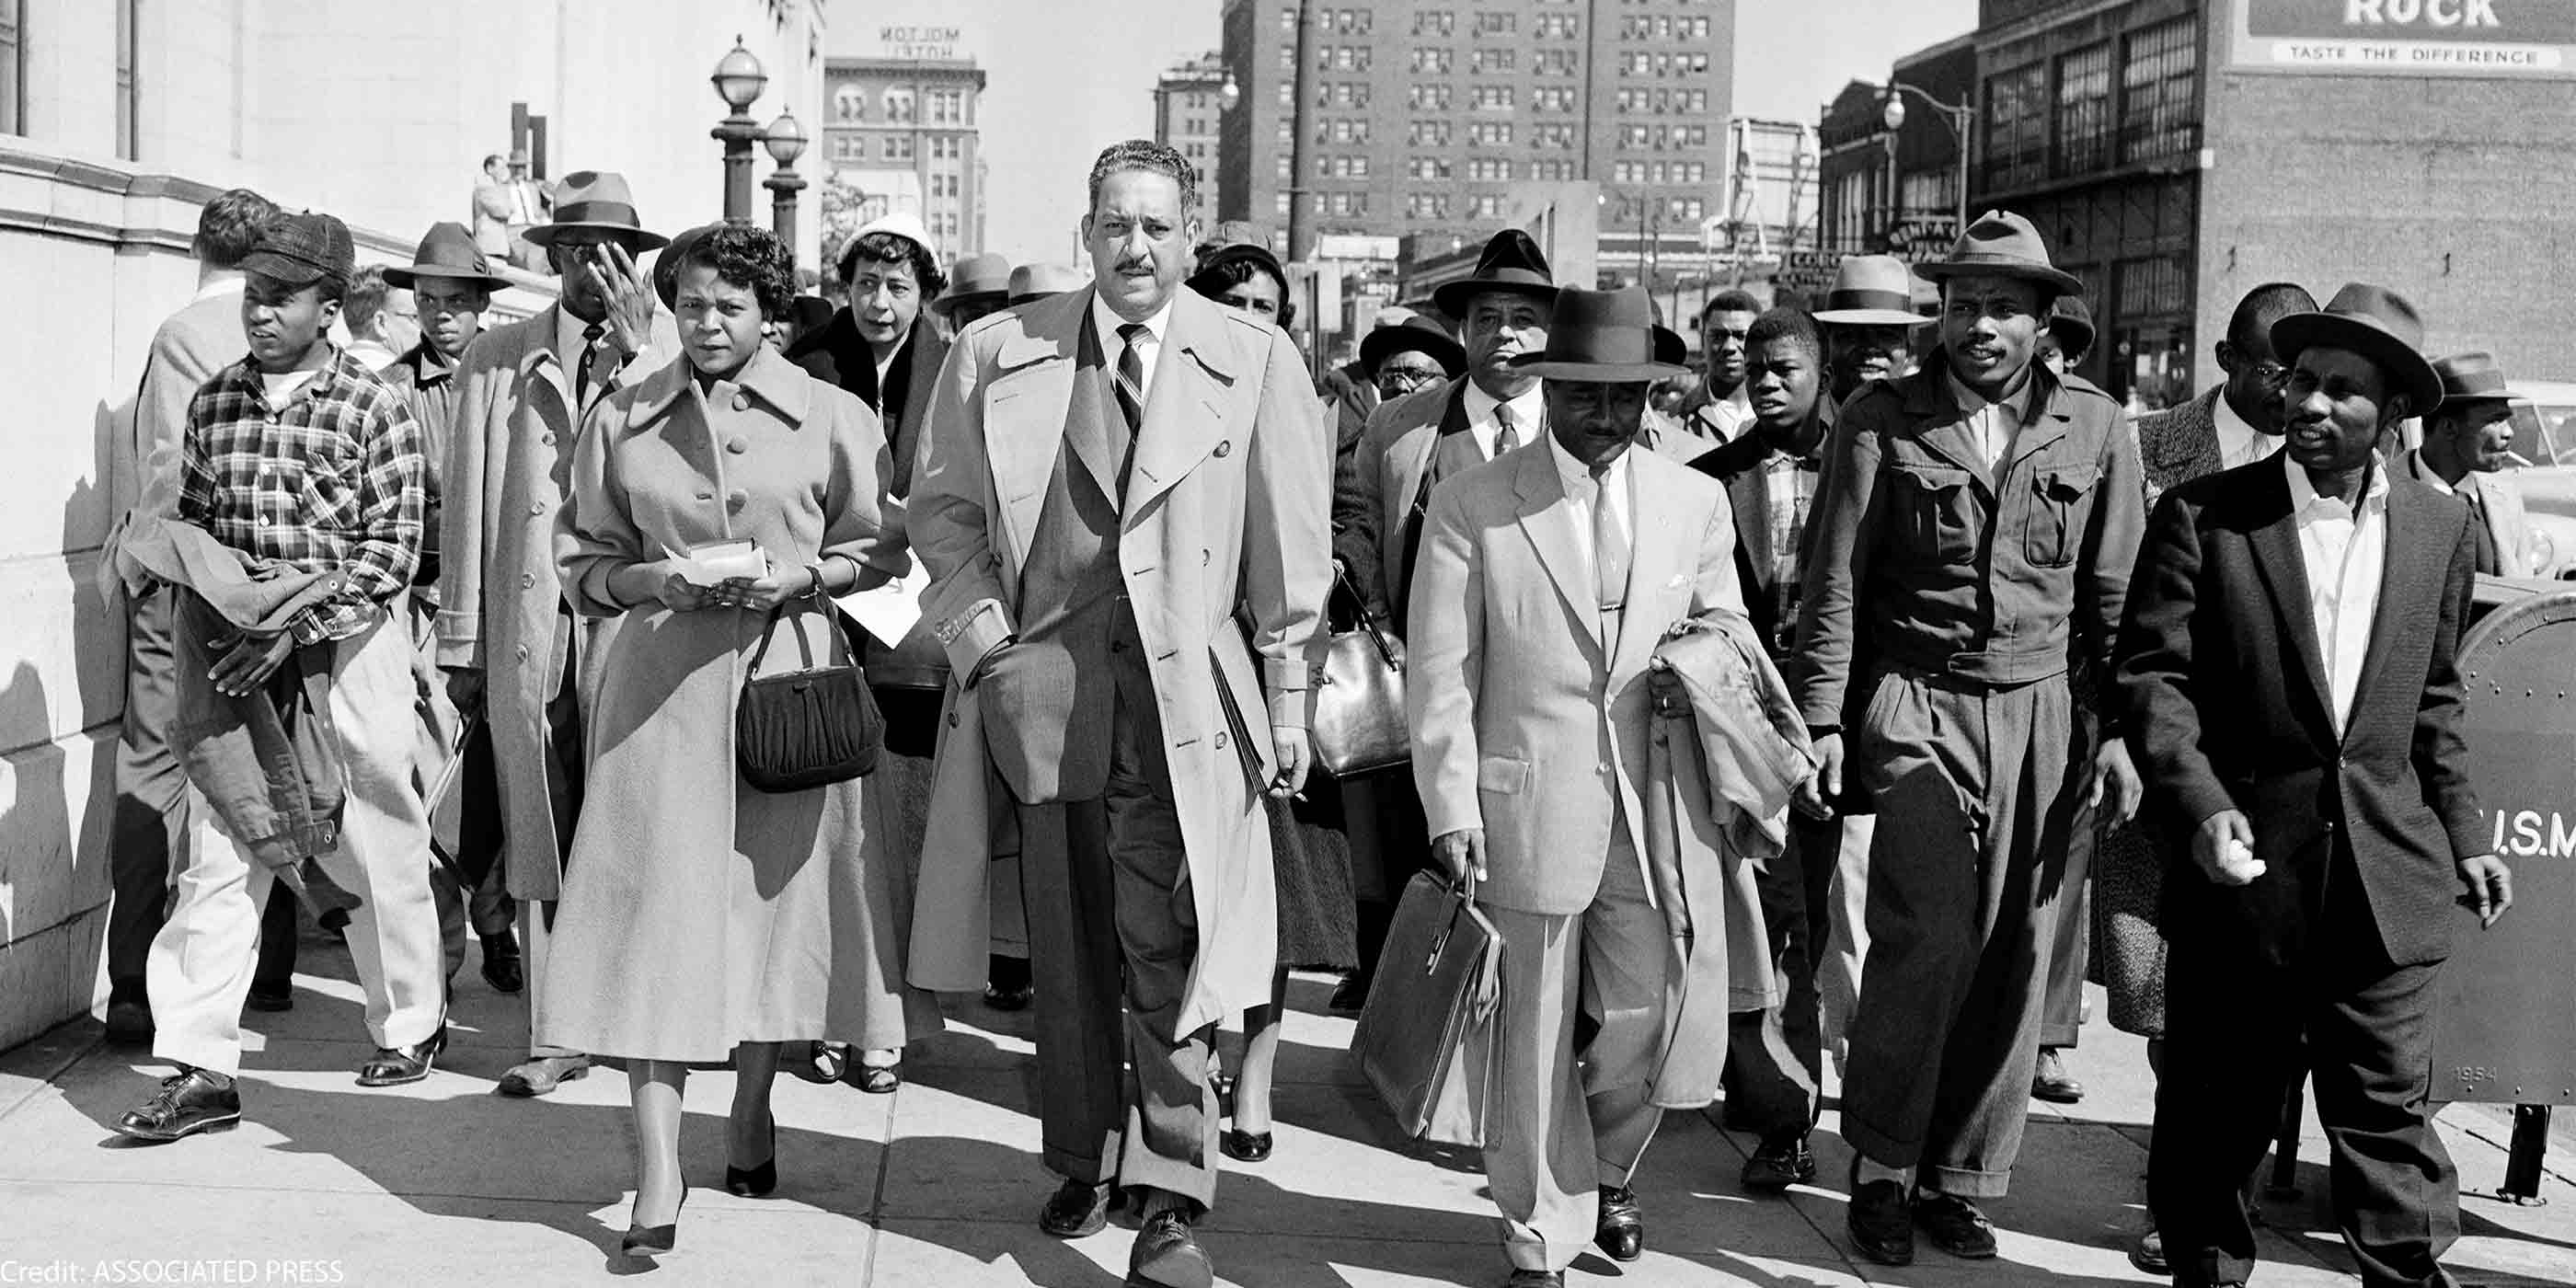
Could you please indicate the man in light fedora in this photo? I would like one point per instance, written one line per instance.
(977, 285)
(1547, 578)
(2288, 675)
(2468, 441)
(504, 632)
(1869, 322)
(1033, 282)
(1972, 541)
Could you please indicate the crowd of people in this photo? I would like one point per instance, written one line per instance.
(1801, 734)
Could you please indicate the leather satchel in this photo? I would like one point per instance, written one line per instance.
(1425, 1038)
(1359, 698)
(812, 726)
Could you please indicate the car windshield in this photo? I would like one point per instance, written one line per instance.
(2544, 433)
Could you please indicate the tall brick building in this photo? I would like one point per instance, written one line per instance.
(1188, 108)
(906, 132)
(1424, 114)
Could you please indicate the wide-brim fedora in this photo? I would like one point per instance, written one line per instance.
(2001, 244)
(2072, 323)
(598, 200)
(2375, 322)
(1511, 263)
(985, 276)
(1416, 334)
(447, 253)
(1605, 337)
(1038, 281)
(2475, 377)
(1870, 290)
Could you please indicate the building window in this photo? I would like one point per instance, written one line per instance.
(1427, 205)
(1288, 94)
(1435, 22)
(1492, 98)
(1551, 171)
(1684, 210)
(849, 147)
(1552, 136)
(1427, 134)
(129, 92)
(898, 147)
(1287, 132)
(1494, 134)
(1690, 136)
(1485, 206)
(1497, 60)
(1420, 96)
(2016, 127)
(1344, 58)
(1552, 98)
(1288, 21)
(1348, 204)
(2160, 91)
(1287, 58)
(948, 107)
(850, 103)
(1557, 26)
(1347, 167)
(1497, 24)
(2084, 110)
(1635, 136)
(1554, 62)
(1489, 169)
(2148, 287)
(1282, 203)
(1344, 129)
(1352, 94)
(898, 106)
(1429, 60)
(947, 147)
(1429, 168)
(13, 67)
(1287, 166)
(1349, 22)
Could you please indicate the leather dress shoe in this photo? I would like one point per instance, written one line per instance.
(1535, 1279)
(1245, 1146)
(1880, 1223)
(271, 998)
(2148, 1253)
(503, 968)
(1779, 1164)
(1621, 1233)
(129, 1021)
(395, 1066)
(1954, 1225)
(1078, 1209)
(541, 1074)
(1007, 986)
(1166, 1256)
(189, 1101)
(2051, 1082)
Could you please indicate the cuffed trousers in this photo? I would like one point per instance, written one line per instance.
(1977, 796)
(1775, 1056)
(155, 825)
(1112, 927)
(1563, 1122)
(201, 963)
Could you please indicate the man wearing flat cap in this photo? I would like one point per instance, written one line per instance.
(1547, 578)
(1971, 542)
(506, 638)
(2289, 675)
(2468, 441)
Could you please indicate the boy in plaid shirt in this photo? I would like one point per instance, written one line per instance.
(301, 455)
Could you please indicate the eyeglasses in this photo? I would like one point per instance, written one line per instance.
(2270, 373)
(1403, 379)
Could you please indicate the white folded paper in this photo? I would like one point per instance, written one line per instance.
(888, 612)
(711, 564)
(2238, 861)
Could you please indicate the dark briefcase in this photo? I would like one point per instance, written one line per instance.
(1425, 1038)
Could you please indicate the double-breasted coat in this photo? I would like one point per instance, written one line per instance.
(509, 457)
(699, 912)
(1226, 508)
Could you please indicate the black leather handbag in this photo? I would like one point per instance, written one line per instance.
(809, 727)
(1359, 698)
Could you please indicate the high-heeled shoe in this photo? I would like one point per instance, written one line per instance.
(755, 1182)
(652, 1240)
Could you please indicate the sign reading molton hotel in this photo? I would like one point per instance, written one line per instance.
(2408, 37)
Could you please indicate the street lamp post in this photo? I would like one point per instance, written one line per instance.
(785, 140)
(1960, 117)
(738, 80)
(1302, 118)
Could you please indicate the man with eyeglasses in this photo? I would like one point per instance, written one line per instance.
(2237, 423)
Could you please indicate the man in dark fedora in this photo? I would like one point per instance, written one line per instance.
(1869, 320)
(507, 640)
(1547, 578)
(1972, 541)
(977, 285)
(2468, 441)
(1409, 355)
(2289, 679)
(451, 282)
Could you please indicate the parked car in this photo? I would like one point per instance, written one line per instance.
(2544, 471)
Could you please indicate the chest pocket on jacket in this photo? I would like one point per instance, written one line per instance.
(2060, 508)
(1936, 512)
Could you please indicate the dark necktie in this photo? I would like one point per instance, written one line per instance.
(1610, 557)
(588, 373)
(1506, 435)
(2489, 560)
(1131, 395)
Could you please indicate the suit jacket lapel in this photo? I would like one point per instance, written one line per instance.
(1749, 495)
(1549, 521)
(543, 361)
(1659, 515)
(2285, 574)
(1184, 417)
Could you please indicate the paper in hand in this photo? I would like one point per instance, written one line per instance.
(888, 612)
(2237, 860)
(708, 565)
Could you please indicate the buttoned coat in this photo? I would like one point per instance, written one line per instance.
(1523, 725)
(1225, 509)
(1376, 495)
(509, 461)
(2507, 522)
(2225, 692)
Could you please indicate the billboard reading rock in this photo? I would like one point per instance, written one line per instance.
(2407, 37)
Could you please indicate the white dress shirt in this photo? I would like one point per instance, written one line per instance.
(2344, 553)
(2238, 442)
(1992, 426)
(1149, 346)
(1580, 495)
(1529, 415)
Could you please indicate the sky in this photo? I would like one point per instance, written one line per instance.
(1066, 79)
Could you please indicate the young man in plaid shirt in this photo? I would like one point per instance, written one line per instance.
(299, 454)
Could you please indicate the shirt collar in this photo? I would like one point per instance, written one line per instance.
(1105, 321)
(427, 364)
(1526, 409)
(1573, 472)
(568, 341)
(2423, 472)
(2304, 494)
(2015, 400)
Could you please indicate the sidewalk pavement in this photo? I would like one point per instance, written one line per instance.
(444, 1182)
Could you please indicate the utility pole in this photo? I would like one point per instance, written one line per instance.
(1302, 126)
